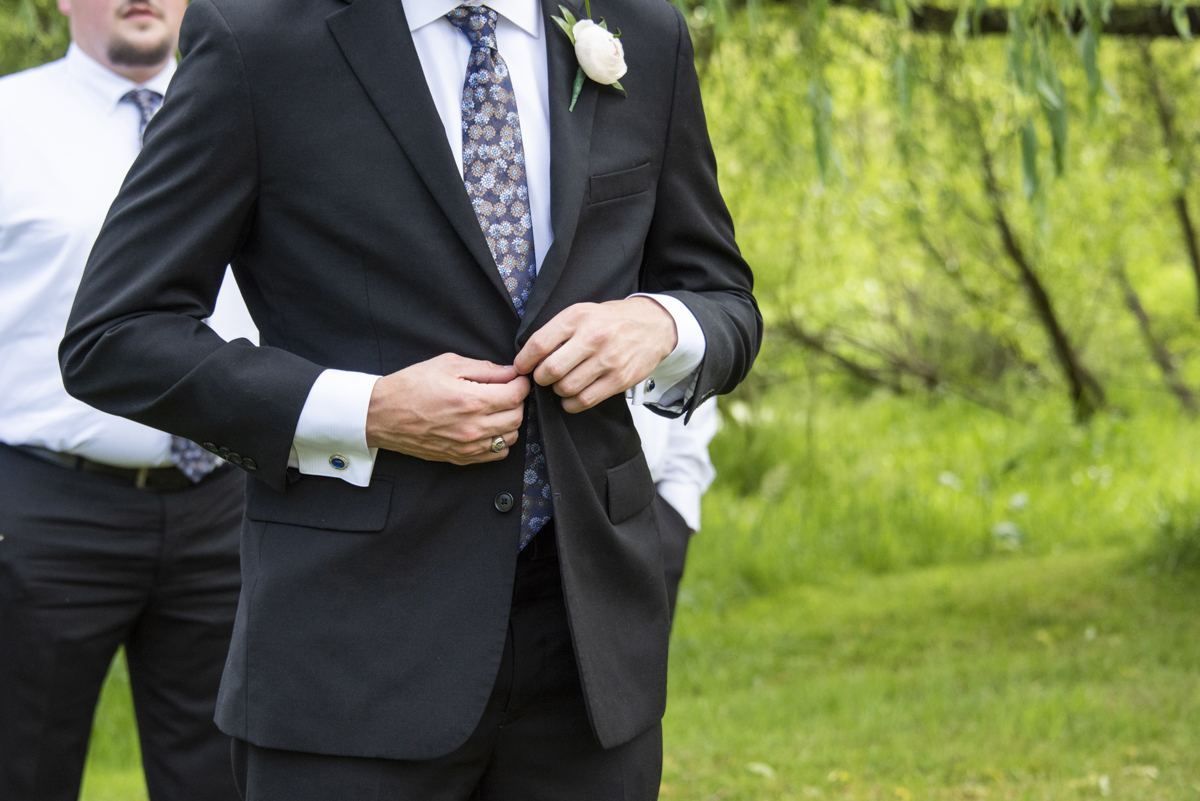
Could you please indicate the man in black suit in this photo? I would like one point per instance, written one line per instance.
(427, 611)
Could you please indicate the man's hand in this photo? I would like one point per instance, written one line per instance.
(592, 351)
(447, 409)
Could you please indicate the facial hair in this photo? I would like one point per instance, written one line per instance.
(126, 54)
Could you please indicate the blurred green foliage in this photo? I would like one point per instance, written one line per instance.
(32, 32)
(983, 322)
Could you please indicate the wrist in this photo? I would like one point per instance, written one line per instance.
(668, 334)
(375, 414)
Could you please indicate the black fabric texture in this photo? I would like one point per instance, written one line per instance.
(532, 743)
(299, 142)
(676, 536)
(89, 563)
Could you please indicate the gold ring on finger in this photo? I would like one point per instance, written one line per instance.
(498, 444)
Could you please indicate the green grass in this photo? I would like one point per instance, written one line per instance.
(1023, 678)
(852, 627)
(114, 771)
(1030, 678)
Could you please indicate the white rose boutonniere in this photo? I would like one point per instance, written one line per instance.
(600, 54)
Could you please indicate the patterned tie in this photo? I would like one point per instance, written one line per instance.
(147, 102)
(494, 175)
(190, 459)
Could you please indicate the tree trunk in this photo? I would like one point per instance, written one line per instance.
(1158, 349)
(1087, 396)
(1166, 121)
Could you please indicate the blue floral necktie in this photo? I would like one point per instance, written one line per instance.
(188, 457)
(494, 175)
(147, 102)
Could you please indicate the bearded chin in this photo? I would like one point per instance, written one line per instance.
(125, 53)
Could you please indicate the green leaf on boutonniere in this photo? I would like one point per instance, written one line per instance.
(566, 26)
(617, 85)
(579, 78)
(567, 22)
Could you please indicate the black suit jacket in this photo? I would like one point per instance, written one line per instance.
(299, 142)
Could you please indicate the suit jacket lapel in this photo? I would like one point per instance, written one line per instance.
(374, 38)
(570, 144)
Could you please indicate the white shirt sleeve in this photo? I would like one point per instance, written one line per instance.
(332, 429)
(672, 383)
(687, 470)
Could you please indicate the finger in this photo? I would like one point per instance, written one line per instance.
(580, 377)
(547, 340)
(482, 372)
(560, 363)
(496, 398)
(597, 392)
(503, 421)
(485, 454)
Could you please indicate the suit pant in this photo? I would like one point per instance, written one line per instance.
(533, 743)
(89, 563)
(675, 539)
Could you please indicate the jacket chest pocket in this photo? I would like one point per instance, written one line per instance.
(616, 185)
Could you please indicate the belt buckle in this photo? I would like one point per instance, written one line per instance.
(143, 473)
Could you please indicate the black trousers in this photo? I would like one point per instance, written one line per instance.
(533, 742)
(675, 538)
(89, 563)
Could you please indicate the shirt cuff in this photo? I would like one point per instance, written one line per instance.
(331, 435)
(672, 383)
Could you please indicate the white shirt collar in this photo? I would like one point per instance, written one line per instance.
(522, 13)
(106, 84)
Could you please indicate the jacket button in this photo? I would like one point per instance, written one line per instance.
(234, 458)
(249, 464)
(504, 502)
(208, 446)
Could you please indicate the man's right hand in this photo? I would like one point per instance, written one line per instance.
(448, 409)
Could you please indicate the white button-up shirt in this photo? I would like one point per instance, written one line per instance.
(678, 456)
(334, 417)
(66, 142)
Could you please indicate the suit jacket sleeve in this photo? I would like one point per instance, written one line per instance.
(690, 249)
(135, 345)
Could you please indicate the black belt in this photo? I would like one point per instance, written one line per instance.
(150, 479)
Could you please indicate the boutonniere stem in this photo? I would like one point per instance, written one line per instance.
(600, 54)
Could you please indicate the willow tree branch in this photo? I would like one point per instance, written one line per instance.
(1166, 121)
(1158, 349)
(1124, 20)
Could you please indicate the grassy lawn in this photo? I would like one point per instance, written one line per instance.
(1064, 676)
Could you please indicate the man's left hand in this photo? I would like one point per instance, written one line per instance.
(592, 351)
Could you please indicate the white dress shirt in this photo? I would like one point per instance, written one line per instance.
(334, 417)
(678, 456)
(66, 142)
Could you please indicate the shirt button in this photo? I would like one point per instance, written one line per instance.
(338, 462)
(504, 502)
(650, 385)
(249, 464)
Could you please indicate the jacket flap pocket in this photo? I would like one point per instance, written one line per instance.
(328, 503)
(620, 184)
(630, 489)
